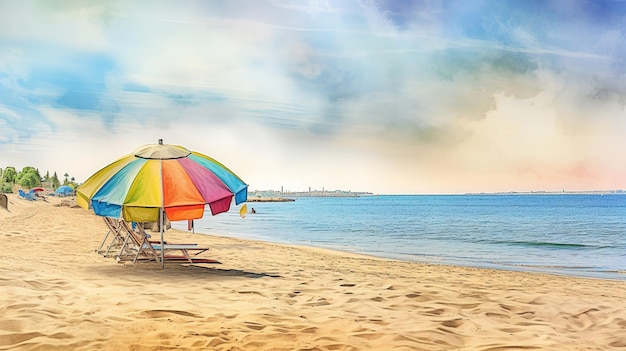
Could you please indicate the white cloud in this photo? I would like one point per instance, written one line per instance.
(65, 24)
(320, 94)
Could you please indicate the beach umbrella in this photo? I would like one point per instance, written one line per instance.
(64, 190)
(37, 189)
(159, 180)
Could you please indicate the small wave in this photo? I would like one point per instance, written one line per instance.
(548, 244)
(587, 268)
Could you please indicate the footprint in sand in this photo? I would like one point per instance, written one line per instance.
(453, 323)
(618, 343)
(251, 292)
(309, 330)
(512, 330)
(370, 336)
(435, 312)
(254, 326)
(166, 313)
(320, 302)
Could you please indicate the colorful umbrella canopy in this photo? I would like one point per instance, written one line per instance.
(161, 176)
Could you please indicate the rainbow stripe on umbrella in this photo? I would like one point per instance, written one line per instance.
(161, 176)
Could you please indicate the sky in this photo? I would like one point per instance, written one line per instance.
(390, 97)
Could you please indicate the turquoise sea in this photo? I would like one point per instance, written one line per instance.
(571, 234)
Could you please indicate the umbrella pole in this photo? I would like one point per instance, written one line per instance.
(161, 219)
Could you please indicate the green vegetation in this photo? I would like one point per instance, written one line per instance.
(29, 177)
(9, 174)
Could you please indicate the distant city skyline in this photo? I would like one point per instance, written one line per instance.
(391, 97)
(363, 192)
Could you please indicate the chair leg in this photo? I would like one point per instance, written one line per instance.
(99, 249)
(122, 249)
(187, 256)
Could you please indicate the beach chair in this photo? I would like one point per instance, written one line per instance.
(30, 196)
(121, 242)
(115, 236)
(135, 245)
(186, 252)
(127, 244)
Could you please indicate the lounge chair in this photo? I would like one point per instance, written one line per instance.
(116, 236)
(128, 244)
(30, 196)
(119, 242)
(186, 251)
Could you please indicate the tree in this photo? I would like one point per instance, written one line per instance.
(55, 181)
(65, 182)
(29, 177)
(73, 183)
(6, 188)
(9, 175)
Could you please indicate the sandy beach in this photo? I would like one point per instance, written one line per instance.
(57, 293)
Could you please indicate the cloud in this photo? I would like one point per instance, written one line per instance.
(412, 96)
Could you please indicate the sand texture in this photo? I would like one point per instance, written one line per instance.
(56, 293)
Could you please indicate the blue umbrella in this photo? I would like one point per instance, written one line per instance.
(64, 190)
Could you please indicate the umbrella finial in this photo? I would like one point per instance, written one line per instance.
(160, 141)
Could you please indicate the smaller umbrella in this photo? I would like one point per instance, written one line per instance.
(64, 190)
(37, 189)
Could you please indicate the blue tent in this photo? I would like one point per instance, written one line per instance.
(64, 190)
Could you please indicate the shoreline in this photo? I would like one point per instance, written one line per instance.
(60, 294)
(435, 262)
(565, 271)
(613, 275)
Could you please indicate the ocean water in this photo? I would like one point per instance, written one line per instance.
(570, 234)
